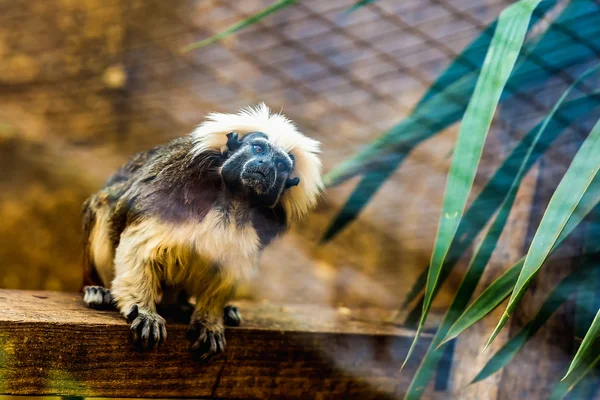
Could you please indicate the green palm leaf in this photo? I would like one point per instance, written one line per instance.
(498, 64)
(427, 367)
(557, 297)
(491, 298)
(502, 287)
(569, 192)
(493, 193)
(562, 388)
(445, 101)
(459, 303)
(587, 302)
(278, 5)
(586, 346)
(580, 44)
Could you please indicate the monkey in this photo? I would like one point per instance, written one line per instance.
(189, 219)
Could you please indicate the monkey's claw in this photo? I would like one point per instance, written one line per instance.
(148, 329)
(232, 316)
(206, 339)
(98, 297)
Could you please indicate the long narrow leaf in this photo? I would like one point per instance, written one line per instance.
(437, 113)
(481, 258)
(569, 192)
(501, 288)
(587, 302)
(557, 49)
(361, 195)
(491, 298)
(424, 122)
(443, 104)
(591, 335)
(491, 196)
(499, 62)
(459, 303)
(540, 61)
(415, 289)
(557, 297)
(581, 371)
(557, 57)
(572, 36)
(472, 276)
(278, 5)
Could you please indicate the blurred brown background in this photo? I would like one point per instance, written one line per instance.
(86, 83)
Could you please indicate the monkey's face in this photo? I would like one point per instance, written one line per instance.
(256, 168)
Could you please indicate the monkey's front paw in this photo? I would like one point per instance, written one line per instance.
(147, 328)
(207, 339)
(98, 297)
(232, 316)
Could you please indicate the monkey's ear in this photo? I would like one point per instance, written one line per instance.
(292, 182)
(233, 142)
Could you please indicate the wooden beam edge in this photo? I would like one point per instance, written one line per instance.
(51, 344)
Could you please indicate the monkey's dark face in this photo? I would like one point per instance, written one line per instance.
(256, 168)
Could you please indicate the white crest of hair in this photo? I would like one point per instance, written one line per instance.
(297, 200)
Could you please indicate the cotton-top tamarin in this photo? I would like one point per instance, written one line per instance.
(190, 219)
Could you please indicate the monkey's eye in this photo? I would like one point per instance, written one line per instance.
(257, 149)
(281, 166)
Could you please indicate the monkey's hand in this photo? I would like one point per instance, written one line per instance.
(147, 327)
(98, 297)
(207, 336)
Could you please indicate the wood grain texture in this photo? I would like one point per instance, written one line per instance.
(51, 344)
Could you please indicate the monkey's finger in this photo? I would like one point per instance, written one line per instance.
(136, 324)
(212, 343)
(201, 341)
(192, 332)
(133, 313)
(220, 343)
(157, 333)
(136, 330)
(197, 345)
(145, 334)
(108, 299)
(163, 334)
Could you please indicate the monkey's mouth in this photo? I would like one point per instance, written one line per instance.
(257, 179)
(260, 173)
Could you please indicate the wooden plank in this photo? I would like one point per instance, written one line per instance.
(50, 343)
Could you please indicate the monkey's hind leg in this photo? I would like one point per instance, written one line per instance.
(136, 289)
(99, 298)
(231, 316)
(206, 331)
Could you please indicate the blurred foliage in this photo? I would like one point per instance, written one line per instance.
(278, 5)
(489, 86)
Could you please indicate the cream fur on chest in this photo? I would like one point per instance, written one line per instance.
(185, 254)
(183, 249)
